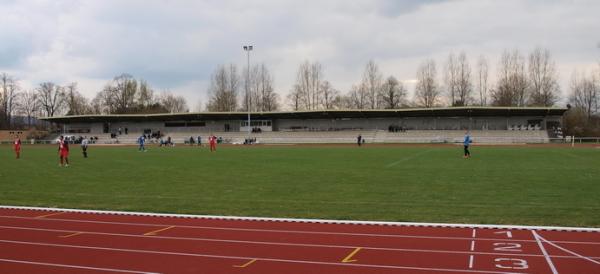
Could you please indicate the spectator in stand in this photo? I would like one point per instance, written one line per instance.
(359, 140)
(199, 140)
(191, 140)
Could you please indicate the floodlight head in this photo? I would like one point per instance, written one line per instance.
(245, 47)
(250, 47)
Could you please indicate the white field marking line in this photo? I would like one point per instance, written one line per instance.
(273, 243)
(291, 220)
(247, 258)
(472, 256)
(410, 157)
(569, 251)
(541, 246)
(284, 231)
(76, 266)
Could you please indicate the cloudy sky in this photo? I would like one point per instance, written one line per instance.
(175, 44)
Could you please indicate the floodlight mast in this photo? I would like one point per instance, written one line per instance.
(248, 49)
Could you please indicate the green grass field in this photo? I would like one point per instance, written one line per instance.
(499, 185)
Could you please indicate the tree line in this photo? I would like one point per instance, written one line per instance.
(521, 80)
(530, 80)
(121, 95)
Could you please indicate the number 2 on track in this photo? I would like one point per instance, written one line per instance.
(508, 247)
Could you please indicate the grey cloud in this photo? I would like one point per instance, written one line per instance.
(177, 44)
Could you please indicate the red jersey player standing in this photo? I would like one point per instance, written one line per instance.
(63, 151)
(18, 147)
(213, 143)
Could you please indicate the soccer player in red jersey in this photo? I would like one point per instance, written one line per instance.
(63, 151)
(18, 147)
(213, 143)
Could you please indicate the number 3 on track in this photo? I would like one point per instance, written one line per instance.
(514, 263)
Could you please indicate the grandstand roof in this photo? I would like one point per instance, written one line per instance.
(318, 114)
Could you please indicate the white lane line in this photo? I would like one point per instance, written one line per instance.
(76, 266)
(269, 243)
(287, 231)
(292, 220)
(280, 243)
(280, 231)
(472, 256)
(548, 259)
(569, 251)
(249, 258)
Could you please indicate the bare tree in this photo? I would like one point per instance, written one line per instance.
(29, 105)
(543, 79)
(172, 103)
(294, 98)
(458, 79)
(224, 89)
(308, 83)
(585, 93)
(8, 99)
(512, 86)
(482, 80)
(451, 78)
(145, 96)
(309, 80)
(123, 92)
(330, 96)
(464, 87)
(393, 93)
(51, 98)
(103, 101)
(358, 97)
(76, 103)
(262, 93)
(426, 91)
(371, 82)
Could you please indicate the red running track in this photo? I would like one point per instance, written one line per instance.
(34, 240)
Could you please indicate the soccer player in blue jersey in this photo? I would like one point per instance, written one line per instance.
(467, 142)
(141, 142)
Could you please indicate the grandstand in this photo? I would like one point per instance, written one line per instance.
(435, 125)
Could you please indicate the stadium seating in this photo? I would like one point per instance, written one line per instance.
(370, 136)
(456, 136)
